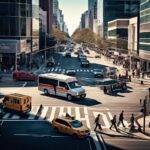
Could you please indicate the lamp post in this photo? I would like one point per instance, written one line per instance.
(16, 55)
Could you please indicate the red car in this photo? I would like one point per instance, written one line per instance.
(24, 76)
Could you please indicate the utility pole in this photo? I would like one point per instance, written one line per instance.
(45, 48)
(144, 113)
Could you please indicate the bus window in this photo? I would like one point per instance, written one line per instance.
(64, 85)
(48, 81)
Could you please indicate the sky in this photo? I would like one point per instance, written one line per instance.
(72, 10)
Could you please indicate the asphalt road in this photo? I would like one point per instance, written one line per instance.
(39, 135)
(22, 133)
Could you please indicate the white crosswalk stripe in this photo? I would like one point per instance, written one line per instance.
(81, 113)
(43, 114)
(15, 117)
(6, 116)
(33, 112)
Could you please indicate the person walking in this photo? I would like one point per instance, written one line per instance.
(132, 122)
(105, 90)
(113, 123)
(121, 118)
(97, 123)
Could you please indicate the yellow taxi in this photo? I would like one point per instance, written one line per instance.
(17, 102)
(71, 127)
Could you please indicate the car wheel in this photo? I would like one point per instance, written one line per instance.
(69, 97)
(46, 92)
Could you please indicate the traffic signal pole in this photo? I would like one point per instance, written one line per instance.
(144, 113)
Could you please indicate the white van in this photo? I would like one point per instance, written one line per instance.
(61, 85)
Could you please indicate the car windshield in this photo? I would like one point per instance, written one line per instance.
(76, 124)
(74, 85)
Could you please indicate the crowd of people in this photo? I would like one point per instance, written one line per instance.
(114, 122)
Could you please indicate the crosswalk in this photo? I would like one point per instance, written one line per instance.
(84, 114)
(60, 70)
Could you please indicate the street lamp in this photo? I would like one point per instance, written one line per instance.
(16, 56)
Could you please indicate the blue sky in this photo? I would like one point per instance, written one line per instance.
(72, 10)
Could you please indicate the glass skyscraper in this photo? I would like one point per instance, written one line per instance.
(117, 9)
(19, 29)
(144, 41)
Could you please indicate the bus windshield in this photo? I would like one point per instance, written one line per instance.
(74, 85)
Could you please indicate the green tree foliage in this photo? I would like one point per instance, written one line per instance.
(59, 35)
(85, 36)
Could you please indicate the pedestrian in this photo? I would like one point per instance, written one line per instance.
(133, 73)
(121, 118)
(105, 90)
(97, 123)
(113, 123)
(132, 122)
(140, 101)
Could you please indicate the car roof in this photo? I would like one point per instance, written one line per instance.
(60, 77)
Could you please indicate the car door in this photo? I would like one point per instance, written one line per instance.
(62, 89)
(65, 127)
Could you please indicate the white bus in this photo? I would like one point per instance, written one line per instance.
(61, 85)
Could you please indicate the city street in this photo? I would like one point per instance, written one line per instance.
(36, 126)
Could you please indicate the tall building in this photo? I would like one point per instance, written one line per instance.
(114, 9)
(144, 36)
(118, 31)
(19, 30)
(46, 21)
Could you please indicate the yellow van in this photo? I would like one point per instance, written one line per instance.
(17, 102)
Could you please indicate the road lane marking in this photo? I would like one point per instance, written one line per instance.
(52, 69)
(61, 112)
(86, 118)
(33, 112)
(102, 141)
(44, 112)
(52, 114)
(6, 116)
(15, 117)
(69, 110)
(96, 141)
(110, 115)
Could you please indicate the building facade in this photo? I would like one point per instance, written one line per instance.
(115, 9)
(144, 35)
(133, 36)
(118, 31)
(19, 31)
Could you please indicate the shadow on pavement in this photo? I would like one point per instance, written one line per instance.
(85, 102)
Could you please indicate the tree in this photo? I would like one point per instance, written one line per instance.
(59, 35)
(84, 35)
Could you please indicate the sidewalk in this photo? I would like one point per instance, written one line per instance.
(147, 122)
(108, 62)
(124, 133)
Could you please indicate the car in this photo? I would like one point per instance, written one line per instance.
(85, 63)
(70, 72)
(24, 76)
(97, 56)
(98, 73)
(50, 62)
(68, 54)
(87, 51)
(81, 56)
(71, 127)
